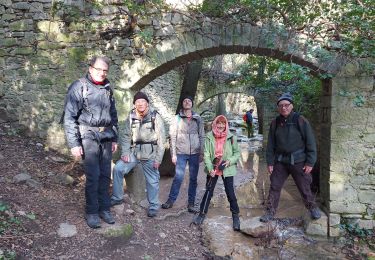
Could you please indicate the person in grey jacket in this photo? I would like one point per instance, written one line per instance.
(187, 141)
(90, 123)
(142, 141)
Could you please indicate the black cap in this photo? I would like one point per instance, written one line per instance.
(140, 95)
(285, 96)
(188, 97)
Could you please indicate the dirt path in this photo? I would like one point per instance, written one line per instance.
(32, 211)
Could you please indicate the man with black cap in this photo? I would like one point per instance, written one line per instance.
(291, 149)
(142, 141)
(187, 140)
(90, 123)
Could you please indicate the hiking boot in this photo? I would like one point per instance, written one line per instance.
(191, 208)
(315, 213)
(116, 202)
(266, 217)
(167, 205)
(107, 217)
(236, 222)
(93, 220)
(152, 213)
(198, 219)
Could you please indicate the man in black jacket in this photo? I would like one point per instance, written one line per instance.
(291, 149)
(90, 123)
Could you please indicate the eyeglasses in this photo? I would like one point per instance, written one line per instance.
(100, 70)
(283, 105)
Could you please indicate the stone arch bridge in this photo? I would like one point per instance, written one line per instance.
(37, 47)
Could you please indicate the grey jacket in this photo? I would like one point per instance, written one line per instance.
(187, 136)
(143, 137)
(97, 109)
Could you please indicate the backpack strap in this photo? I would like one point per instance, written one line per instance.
(84, 91)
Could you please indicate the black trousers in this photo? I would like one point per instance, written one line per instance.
(97, 159)
(302, 180)
(229, 190)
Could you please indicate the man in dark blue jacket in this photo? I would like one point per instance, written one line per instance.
(90, 123)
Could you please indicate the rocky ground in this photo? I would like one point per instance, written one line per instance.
(42, 209)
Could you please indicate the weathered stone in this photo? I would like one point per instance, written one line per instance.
(8, 17)
(8, 42)
(343, 192)
(318, 227)
(49, 27)
(34, 184)
(347, 207)
(334, 219)
(24, 6)
(255, 228)
(66, 230)
(335, 231)
(124, 231)
(136, 184)
(22, 177)
(23, 51)
(22, 25)
(367, 196)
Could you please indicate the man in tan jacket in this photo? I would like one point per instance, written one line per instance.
(187, 140)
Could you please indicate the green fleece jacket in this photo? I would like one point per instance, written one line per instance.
(231, 152)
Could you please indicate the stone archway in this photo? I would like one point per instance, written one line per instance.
(336, 106)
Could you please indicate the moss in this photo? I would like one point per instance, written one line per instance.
(77, 55)
(45, 81)
(124, 231)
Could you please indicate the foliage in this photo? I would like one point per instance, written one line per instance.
(340, 25)
(272, 78)
(357, 240)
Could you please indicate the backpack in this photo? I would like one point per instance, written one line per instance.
(153, 117)
(244, 117)
(297, 120)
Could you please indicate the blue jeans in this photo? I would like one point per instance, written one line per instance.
(182, 160)
(152, 177)
(97, 161)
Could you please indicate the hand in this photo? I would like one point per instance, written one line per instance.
(174, 160)
(156, 165)
(226, 163)
(125, 158)
(212, 173)
(77, 151)
(307, 169)
(270, 169)
(114, 147)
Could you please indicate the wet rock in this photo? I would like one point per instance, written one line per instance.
(22, 177)
(66, 230)
(255, 228)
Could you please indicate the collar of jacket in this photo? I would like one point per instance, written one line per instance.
(193, 114)
(89, 79)
(211, 135)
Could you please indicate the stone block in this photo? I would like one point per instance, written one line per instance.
(347, 207)
(23, 51)
(49, 27)
(254, 36)
(8, 17)
(366, 224)
(335, 231)
(317, 227)
(366, 196)
(136, 184)
(24, 6)
(21, 25)
(343, 192)
(8, 42)
(334, 219)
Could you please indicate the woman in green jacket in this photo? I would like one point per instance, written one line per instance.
(221, 154)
